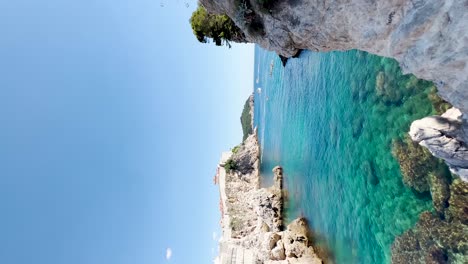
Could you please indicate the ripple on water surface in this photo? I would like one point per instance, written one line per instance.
(329, 119)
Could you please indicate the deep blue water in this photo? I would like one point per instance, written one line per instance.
(329, 119)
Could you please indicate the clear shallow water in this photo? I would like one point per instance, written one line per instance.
(329, 119)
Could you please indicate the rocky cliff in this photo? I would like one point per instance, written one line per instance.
(445, 138)
(429, 38)
(252, 223)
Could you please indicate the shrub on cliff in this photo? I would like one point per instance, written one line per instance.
(220, 28)
(235, 149)
(230, 165)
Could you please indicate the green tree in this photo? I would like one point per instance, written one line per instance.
(220, 28)
(246, 120)
(230, 165)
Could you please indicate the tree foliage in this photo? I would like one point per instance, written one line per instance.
(230, 165)
(246, 120)
(220, 28)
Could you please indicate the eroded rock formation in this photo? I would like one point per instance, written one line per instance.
(252, 222)
(429, 38)
(444, 137)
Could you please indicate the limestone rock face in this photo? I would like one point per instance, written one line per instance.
(445, 138)
(268, 205)
(252, 219)
(277, 253)
(272, 240)
(296, 241)
(428, 37)
(247, 157)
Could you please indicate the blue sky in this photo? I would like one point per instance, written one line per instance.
(113, 118)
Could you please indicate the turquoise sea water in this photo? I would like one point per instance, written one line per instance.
(329, 119)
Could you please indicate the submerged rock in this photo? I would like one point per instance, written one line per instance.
(458, 209)
(440, 192)
(416, 163)
(369, 171)
(385, 91)
(442, 238)
(357, 126)
(432, 240)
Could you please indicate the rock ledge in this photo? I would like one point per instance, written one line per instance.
(444, 137)
(252, 222)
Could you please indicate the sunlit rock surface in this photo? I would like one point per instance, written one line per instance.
(429, 38)
(445, 139)
(252, 221)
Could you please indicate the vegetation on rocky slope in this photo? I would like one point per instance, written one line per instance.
(223, 29)
(220, 28)
(246, 120)
(230, 165)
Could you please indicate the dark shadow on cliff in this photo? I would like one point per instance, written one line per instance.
(284, 60)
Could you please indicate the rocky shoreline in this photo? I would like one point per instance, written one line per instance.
(428, 38)
(252, 217)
